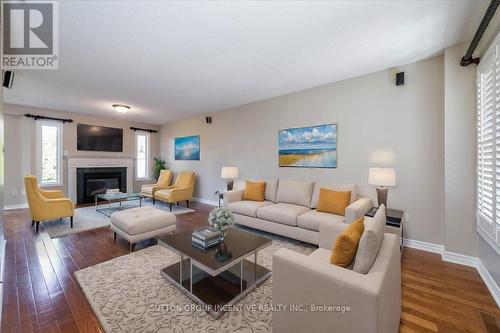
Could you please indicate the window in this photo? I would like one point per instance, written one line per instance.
(49, 153)
(488, 146)
(142, 155)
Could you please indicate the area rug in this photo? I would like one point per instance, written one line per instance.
(128, 294)
(87, 218)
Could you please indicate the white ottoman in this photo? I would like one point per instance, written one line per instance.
(138, 224)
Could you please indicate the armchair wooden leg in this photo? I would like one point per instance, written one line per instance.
(177, 203)
(71, 221)
(187, 203)
(37, 225)
(170, 207)
(32, 223)
(154, 201)
(132, 247)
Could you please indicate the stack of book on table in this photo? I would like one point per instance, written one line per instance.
(205, 237)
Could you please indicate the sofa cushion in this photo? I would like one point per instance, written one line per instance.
(312, 219)
(370, 241)
(139, 220)
(294, 192)
(318, 186)
(346, 244)
(147, 189)
(247, 207)
(254, 191)
(323, 256)
(334, 202)
(282, 213)
(271, 187)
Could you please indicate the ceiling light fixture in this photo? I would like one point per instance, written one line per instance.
(122, 108)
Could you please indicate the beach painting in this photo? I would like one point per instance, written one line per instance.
(308, 147)
(187, 148)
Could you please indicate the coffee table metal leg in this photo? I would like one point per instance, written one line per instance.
(190, 276)
(255, 265)
(180, 272)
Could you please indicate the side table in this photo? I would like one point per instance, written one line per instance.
(394, 221)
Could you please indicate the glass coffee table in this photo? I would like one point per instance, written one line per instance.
(116, 198)
(218, 277)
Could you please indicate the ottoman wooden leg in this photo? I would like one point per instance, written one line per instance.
(71, 221)
(32, 223)
(170, 207)
(114, 235)
(37, 225)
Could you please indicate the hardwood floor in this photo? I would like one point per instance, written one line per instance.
(42, 294)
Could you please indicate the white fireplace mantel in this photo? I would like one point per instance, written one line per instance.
(98, 162)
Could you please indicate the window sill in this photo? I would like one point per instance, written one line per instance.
(51, 184)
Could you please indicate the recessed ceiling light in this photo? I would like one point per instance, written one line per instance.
(122, 108)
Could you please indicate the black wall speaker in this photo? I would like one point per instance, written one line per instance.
(8, 79)
(208, 120)
(400, 78)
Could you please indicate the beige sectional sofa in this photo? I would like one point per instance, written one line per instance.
(367, 303)
(289, 208)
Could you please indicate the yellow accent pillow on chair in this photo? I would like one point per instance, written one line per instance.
(254, 191)
(346, 244)
(334, 202)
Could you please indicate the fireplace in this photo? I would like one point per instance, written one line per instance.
(93, 181)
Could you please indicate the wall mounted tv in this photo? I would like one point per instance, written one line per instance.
(99, 138)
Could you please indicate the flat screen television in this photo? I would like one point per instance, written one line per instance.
(99, 138)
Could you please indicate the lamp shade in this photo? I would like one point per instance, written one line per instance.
(230, 172)
(382, 176)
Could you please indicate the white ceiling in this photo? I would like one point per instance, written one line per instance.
(170, 60)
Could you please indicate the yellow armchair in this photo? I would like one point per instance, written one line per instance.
(182, 190)
(163, 183)
(47, 205)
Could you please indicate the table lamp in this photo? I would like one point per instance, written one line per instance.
(230, 173)
(382, 178)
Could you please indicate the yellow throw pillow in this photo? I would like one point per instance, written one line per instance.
(333, 202)
(346, 244)
(254, 191)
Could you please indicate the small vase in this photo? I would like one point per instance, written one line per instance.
(223, 234)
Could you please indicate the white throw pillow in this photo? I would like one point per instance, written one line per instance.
(370, 242)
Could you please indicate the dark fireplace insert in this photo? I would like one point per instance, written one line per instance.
(93, 181)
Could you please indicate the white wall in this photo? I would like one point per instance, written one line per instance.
(459, 153)
(379, 124)
(20, 147)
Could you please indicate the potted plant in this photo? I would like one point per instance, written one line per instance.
(160, 164)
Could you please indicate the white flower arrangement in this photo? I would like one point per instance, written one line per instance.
(221, 218)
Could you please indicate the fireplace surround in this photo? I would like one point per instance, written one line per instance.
(75, 163)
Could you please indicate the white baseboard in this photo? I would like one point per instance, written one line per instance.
(424, 246)
(12, 207)
(206, 201)
(489, 281)
(2, 257)
(461, 259)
